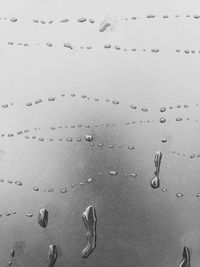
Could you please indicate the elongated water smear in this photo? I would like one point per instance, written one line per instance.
(155, 182)
(43, 218)
(186, 258)
(90, 221)
(52, 256)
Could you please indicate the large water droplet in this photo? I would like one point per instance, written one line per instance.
(43, 218)
(90, 221)
(155, 182)
(52, 255)
(88, 137)
(186, 258)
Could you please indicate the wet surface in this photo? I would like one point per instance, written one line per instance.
(92, 93)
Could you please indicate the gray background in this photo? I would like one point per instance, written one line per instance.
(137, 226)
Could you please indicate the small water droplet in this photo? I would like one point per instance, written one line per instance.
(64, 20)
(68, 45)
(133, 107)
(162, 109)
(28, 104)
(113, 173)
(133, 175)
(63, 190)
(49, 44)
(144, 109)
(69, 139)
(116, 102)
(51, 99)
(131, 147)
(36, 188)
(107, 46)
(91, 20)
(29, 214)
(164, 140)
(164, 189)
(4, 106)
(12, 253)
(13, 19)
(89, 180)
(162, 120)
(179, 195)
(41, 139)
(81, 19)
(18, 183)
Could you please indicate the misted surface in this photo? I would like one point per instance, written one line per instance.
(99, 137)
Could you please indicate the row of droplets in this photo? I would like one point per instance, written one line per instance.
(89, 138)
(106, 46)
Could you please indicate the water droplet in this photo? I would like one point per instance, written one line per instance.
(162, 109)
(131, 147)
(179, 119)
(35, 188)
(192, 156)
(155, 182)
(50, 190)
(43, 218)
(150, 16)
(49, 44)
(51, 99)
(164, 189)
(13, 19)
(18, 183)
(104, 25)
(35, 20)
(10, 263)
(116, 102)
(64, 20)
(8, 213)
(165, 16)
(164, 140)
(41, 139)
(42, 22)
(52, 255)
(179, 195)
(81, 19)
(117, 47)
(196, 16)
(162, 120)
(68, 45)
(90, 221)
(198, 195)
(144, 109)
(10, 181)
(133, 107)
(186, 51)
(10, 135)
(155, 50)
(63, 190)
(91, 20)
(38, 101)
(10, 43)
(89, 180)
(88, 137)
(111, 146)
(186, 258)
(4, 106)
(69, 139)
(113, 172)
(133, 175)
(28, 214)
(107, 46)
(12, 253)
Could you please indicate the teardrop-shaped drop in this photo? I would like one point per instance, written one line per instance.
(155, 182)
(43, 218)
(52, 255)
